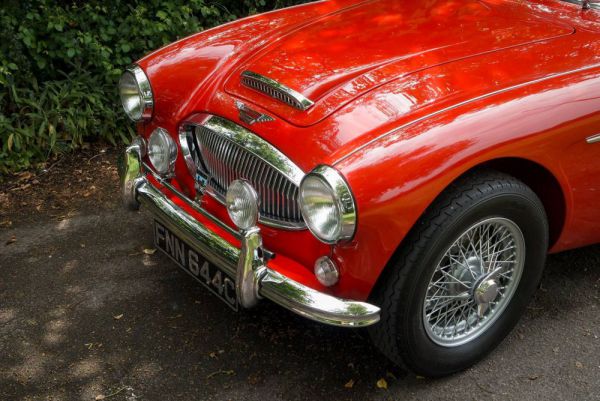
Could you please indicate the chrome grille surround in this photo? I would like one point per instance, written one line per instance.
(276, 90)
(219, 151)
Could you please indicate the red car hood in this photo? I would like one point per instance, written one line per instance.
(334, 58)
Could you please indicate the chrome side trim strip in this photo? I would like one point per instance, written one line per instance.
(585, 4)
(254, 278)
(593, 139)
(276, 90)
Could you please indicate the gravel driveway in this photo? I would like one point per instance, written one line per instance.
(88, 312)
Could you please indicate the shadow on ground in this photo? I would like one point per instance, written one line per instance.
(86, 314)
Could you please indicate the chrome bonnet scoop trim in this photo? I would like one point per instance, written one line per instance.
(276, 90)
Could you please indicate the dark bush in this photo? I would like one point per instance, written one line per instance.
(60, 62)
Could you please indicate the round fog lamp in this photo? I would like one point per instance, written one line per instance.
(162, 152)
(242, 204)
(326, 271)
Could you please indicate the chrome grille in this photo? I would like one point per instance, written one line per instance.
(226, 152)
(275, 90)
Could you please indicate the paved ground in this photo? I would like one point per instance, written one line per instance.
(86, 314)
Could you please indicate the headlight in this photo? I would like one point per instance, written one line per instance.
(242, 204)
(162, 152)
(136, 94)
(328, 205)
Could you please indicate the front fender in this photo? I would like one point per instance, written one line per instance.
(398, 175)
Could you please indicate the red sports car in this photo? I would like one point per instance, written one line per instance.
(402, 165)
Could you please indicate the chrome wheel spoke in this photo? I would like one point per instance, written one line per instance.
(473, 281)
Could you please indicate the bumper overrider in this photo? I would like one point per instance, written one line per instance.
(254, 279)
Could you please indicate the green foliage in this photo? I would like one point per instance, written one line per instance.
(60, 62)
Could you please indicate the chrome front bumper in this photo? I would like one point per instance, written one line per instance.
(254, 279)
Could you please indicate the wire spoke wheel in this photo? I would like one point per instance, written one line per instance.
(473, 282)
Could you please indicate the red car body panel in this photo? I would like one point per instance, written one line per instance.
(408, 96)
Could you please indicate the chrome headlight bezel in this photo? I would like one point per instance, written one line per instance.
(169, 149)
(144, 94)
(342, 199)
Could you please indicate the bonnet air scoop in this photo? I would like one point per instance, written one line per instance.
(276, 90)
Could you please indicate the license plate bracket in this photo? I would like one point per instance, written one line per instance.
(194, 264)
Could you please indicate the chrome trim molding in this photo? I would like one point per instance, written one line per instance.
(276, 90)
(585, 4)
(254, 279)
(145, 91)
(593, 139)
(345, 201)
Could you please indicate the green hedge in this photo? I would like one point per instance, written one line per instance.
(60, 62)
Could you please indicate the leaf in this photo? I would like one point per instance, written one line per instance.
(9, 142)
(149, 251)
(382, 383)
(12, 240)
(349, 384)
(100, 397)
(579, 365)
(118, 317)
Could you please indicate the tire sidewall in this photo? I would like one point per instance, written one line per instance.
(439, 360)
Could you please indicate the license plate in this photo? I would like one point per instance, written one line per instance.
(210, 276)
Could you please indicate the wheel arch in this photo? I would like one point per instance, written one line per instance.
(537, 177)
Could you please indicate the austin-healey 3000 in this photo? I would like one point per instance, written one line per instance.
(401, 165)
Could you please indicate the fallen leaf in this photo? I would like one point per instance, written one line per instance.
(349, 384)
(382, 383)
(221, 372)
(579, 365)
(533, 377)
(12, 240)
(25, 176)
(117, 317)
(149, 251)
(100, 397)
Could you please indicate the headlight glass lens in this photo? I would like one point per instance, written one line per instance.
(136, 94)
(320, 208)
(162, 151)
(242, 204)
(328, 205)
(131, 97)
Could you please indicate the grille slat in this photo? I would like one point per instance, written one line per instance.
(227, 160)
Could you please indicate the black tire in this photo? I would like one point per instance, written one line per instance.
(401, 333)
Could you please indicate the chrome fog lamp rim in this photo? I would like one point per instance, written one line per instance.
(326, 271)
(344, 200)
(241, 202)
(146, 97)
(167, 148)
